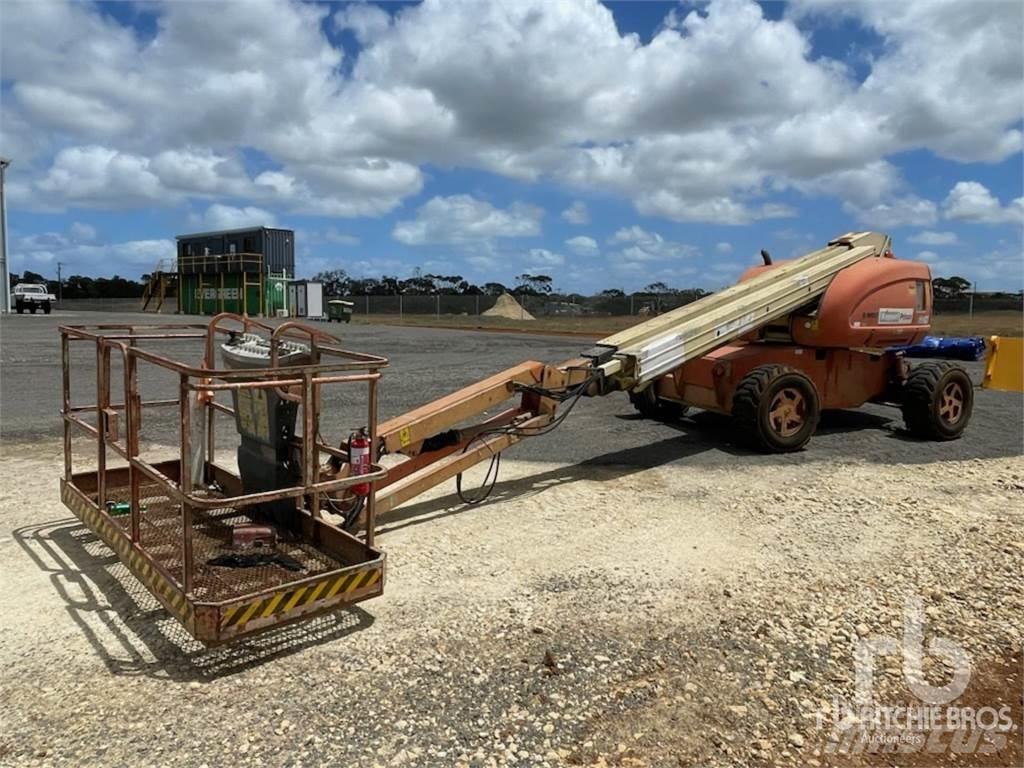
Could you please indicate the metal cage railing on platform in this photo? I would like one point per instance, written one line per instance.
(168, 519)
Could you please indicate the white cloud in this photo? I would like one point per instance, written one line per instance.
(877, 195)
(102, 177)
(861, 187)
(97, 176)
(996, 269)
(577, 213)
(582, 245)
(129, 258)
(82, 232)
(542, 257)
(934, 238)
(462, 219)
(640, 245)
(909, 211)
(947, 79)
(721, 108)
(219, 216)
(717, 210)
(724, 248)
(366, 21)
(335, 237)
(971, 201)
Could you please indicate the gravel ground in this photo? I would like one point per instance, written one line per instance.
(633, 594)
(428, 363)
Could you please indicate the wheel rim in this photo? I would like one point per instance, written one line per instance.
(788, 412)
(951, 404)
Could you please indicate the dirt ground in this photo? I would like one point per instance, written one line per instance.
(633, 594)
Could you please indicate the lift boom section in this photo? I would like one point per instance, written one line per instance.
(437, 448)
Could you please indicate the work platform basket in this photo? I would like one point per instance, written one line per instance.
(171, 520)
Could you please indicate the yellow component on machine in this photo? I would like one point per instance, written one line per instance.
(1004, 364)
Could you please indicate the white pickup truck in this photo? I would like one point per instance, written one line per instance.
(33, 296)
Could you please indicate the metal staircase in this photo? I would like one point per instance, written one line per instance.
(161, 285)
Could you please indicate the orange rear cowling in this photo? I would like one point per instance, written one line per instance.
(878, 302)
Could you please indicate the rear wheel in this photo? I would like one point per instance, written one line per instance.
(47, 308)
(32, 307)
(776, 407)
(20, 308)
(650, 406)
(938, 399)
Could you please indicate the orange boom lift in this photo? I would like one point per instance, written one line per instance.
(291, 534)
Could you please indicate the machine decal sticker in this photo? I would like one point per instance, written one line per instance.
(114, 537)
(895, 316)
(285, 601)
(737, 324)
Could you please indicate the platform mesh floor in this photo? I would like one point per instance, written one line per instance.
(160, 528)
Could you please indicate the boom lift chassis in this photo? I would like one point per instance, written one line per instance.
(836, 308)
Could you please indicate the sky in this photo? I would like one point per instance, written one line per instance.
(606, 145)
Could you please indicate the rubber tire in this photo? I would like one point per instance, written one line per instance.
(47, 308)
(20, 308)
(753, 398)
(650, 406)
(921, 399)
(32, 308)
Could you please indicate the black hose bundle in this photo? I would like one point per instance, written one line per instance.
(572, 396)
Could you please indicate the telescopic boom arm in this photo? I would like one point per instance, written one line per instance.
(438, 448)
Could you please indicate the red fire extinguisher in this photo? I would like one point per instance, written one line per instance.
(359, 459)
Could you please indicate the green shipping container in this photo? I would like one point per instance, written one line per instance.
(212, 293)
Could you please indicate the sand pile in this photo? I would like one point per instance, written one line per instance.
(509, 308)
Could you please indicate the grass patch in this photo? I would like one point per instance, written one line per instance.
(1001, 323)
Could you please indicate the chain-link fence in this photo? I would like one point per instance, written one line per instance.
(537, 306)
(614, 306)
(561, 306)
(976, 303)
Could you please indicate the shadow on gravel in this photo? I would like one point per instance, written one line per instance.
(872, 433)
(607, 467)
(130, 630)
(718, 431)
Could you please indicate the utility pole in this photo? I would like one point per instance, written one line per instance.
(60, 282)
(5, 276)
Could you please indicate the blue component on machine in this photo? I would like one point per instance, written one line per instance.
(967, 348)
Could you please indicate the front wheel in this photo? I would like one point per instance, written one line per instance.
(776, 407)
(938, 398)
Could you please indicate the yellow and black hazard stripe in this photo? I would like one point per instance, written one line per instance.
(172, 598)
(236, 617)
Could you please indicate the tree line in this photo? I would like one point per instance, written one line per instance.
(82, 287)
(339, 283)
